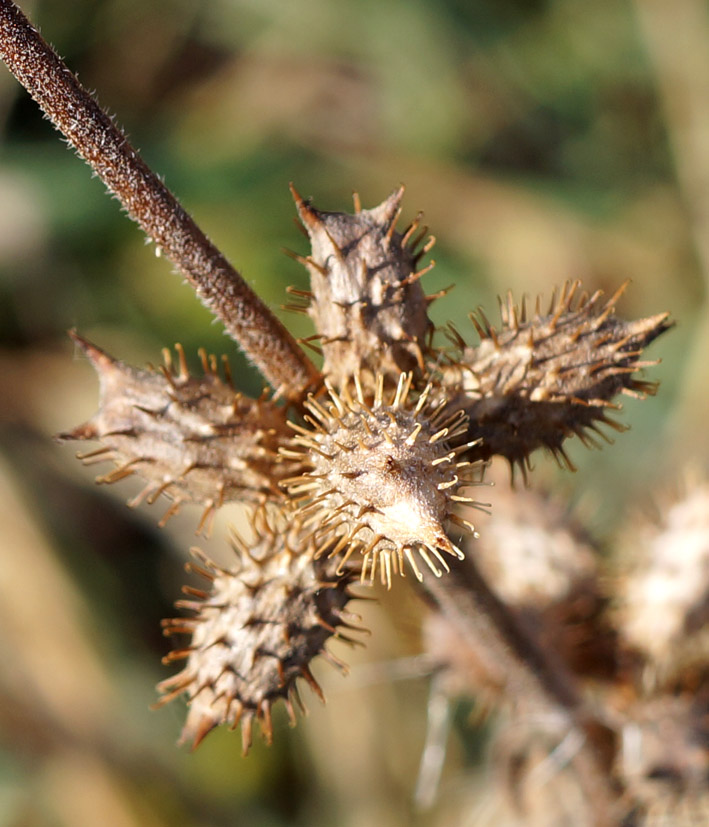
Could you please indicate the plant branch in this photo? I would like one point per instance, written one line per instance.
(148, 201)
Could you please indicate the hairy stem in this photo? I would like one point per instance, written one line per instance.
(148, 201)
(493, 633)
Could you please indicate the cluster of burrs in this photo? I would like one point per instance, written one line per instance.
(630, 628)
(366, 473)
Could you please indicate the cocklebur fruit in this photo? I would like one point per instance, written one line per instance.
(661, 611)
(663, 604)
(193, 438)
(533, 551)
(256, 630)
(382, 479)
(367, 303)
(546, 569)
(536, 381)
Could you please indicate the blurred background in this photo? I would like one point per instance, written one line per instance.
(545, 140)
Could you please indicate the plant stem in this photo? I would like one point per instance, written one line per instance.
(147, 200)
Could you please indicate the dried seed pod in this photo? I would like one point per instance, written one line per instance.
(664, 593)
(194, 439)
(367, 303)
(534, 552)
(546, 567)
(664, 761)
(256, 631)
(382, 479)
(540, 562)
(535, 382)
